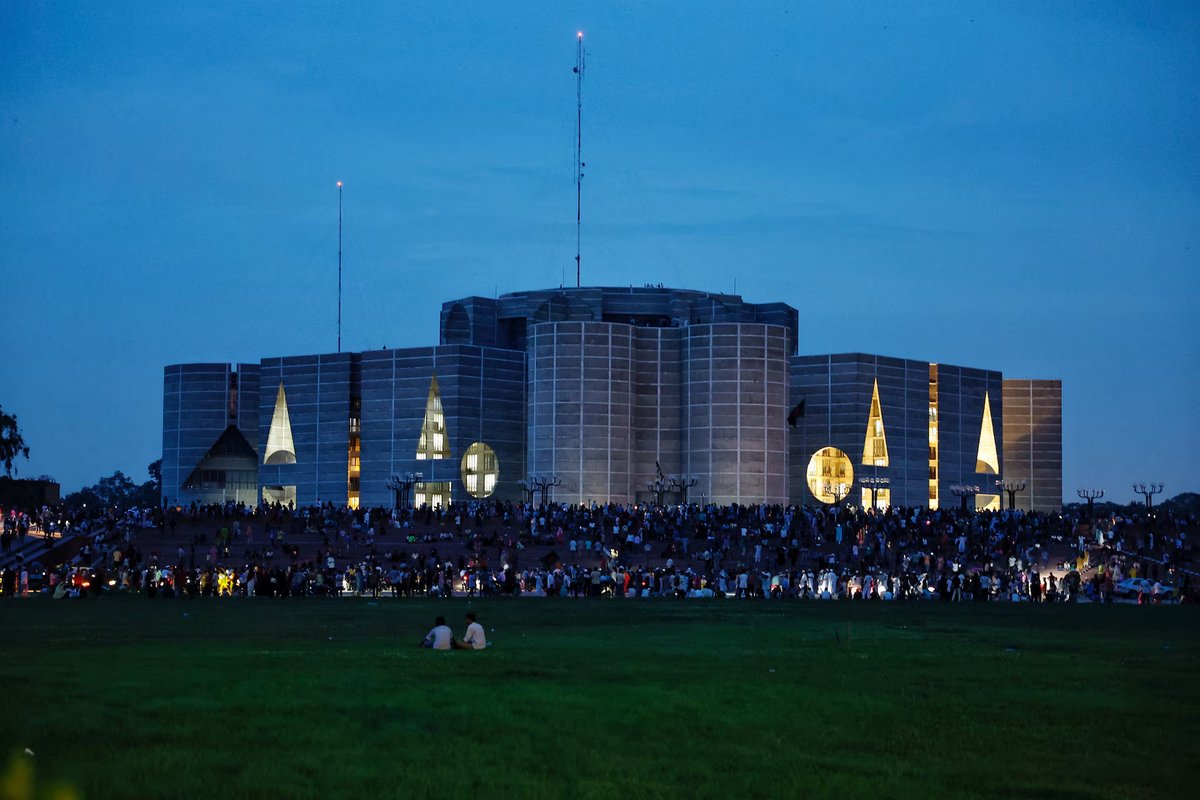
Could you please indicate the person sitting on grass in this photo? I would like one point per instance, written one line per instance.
(441, 637)
(474, 638)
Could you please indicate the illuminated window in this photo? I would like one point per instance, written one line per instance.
(480, 468)
(830, 475)
(354, 454)
(883, 498)
(280, 449)
(875, 445)
(284, 495)
(433, 443)
(933, 436)
(986, 460)
(432, 494)
(987, 502)
(230, 464)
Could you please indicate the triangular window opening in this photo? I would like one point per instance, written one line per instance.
(433, 444)
(229, 464)
(987, 461)
(875, 451)
(280, 449)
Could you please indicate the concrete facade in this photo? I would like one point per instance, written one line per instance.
(1033, 441)
(581, 409)
(922, 465)
(735, 400)
(317, 391)
(483, 400)
(836, 391)
(605, 389)
(201, 457)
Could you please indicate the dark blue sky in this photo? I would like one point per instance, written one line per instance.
(1015, 188)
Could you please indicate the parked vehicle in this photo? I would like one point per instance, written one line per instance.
(1132, 587)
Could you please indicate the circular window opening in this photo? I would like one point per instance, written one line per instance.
(830, 475)
(480, 469)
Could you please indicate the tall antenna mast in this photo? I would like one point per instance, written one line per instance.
(339, 184)
(579, 165)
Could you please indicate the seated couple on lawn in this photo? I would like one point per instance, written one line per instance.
(442, 638)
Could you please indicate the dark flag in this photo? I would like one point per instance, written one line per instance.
(796, 413)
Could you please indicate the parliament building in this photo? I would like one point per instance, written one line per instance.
(584, 395)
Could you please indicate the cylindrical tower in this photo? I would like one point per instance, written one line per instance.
(735, 400)
(580, 403)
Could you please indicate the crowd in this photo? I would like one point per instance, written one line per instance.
(503, 548)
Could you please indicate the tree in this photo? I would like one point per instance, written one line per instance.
(149, 494)
(12, 444)
(119, 491)
(116, 489)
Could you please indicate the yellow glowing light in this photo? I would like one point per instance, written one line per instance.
(987, 460)
(280, 447)
(875, 444)
(830, 475)
(433, 444)
(480, 470)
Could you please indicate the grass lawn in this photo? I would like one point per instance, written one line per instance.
(136, 698)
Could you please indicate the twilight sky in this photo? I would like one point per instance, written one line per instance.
(1016, 188)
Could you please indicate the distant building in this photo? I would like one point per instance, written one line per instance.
(603, 392)
(28, 494)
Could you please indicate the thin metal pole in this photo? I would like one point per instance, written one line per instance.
(339, 329)
(578, 155)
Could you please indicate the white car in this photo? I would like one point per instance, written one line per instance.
(1131, 587)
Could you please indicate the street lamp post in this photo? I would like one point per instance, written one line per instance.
(874, 484)
(540, 483)
(549, 483)
(402, 484)
(1148, 490)
(1011, 488)
(964, 493)
(552, 481)
(536, 485)
(681, 484)
(1091, 495)
(839, 491)
(658, 487)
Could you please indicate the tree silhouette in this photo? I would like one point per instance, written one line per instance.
(12, 444)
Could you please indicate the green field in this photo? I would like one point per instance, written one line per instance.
(127, 697)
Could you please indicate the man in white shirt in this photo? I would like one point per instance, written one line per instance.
(441, 637)
(475, 639)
